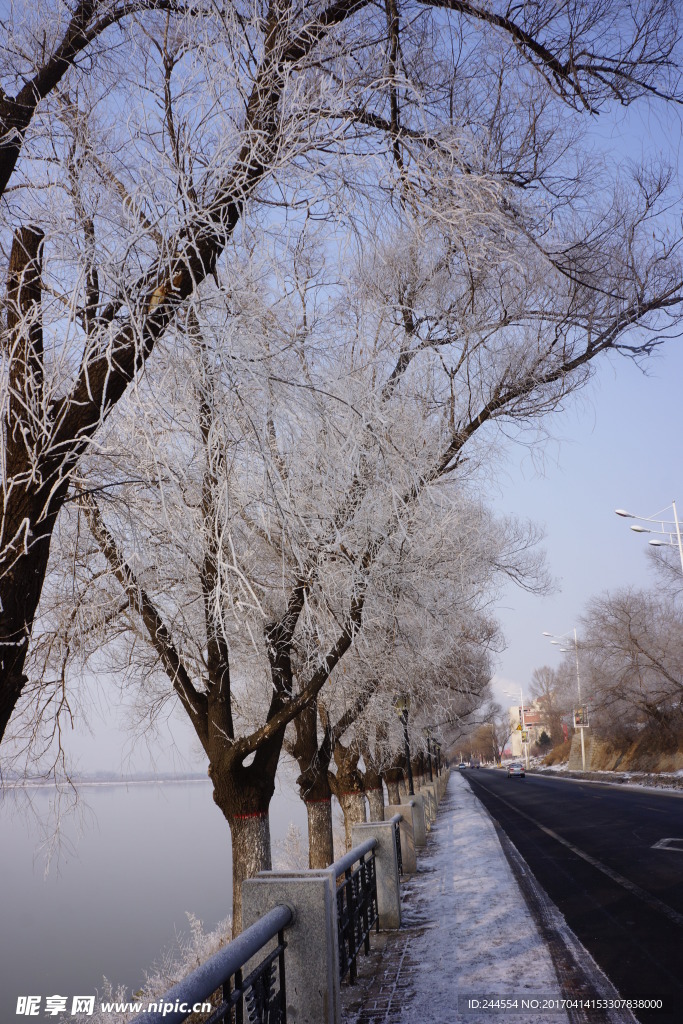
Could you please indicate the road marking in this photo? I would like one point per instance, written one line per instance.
(669, 844)
(625, 883)
(573, 963)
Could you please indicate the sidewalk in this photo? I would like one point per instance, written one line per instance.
(467, 932)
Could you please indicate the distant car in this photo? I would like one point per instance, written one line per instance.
(516, 770)
(462, 766)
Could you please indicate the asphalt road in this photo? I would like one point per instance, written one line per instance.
(592, 848)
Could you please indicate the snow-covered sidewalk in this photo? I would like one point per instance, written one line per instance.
(467, 935)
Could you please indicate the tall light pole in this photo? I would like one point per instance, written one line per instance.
(428, 733)
(557, 641)
(402, 705)
(663, 532)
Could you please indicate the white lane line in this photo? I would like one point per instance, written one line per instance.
(625, 883)
(669, 844)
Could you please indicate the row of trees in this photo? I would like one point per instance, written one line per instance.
(281, 279)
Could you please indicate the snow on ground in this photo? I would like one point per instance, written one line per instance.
(482, 939)
(672, 781)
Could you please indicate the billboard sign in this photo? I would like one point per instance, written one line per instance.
(581, 717)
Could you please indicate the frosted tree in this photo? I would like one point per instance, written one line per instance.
(117, 222)
(403, 378)
(242, 498)
(632, 663)
(207, 509)
(419, 638)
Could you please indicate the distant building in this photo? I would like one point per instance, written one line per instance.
(534, 722)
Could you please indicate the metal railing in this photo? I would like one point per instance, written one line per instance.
(396, 822)
(356, 905)
(260, 998)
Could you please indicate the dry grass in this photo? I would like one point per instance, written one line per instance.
(559, 753)
(651, 750)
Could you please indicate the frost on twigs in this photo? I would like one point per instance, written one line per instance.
(291, 853)
(294, 306)
(173, 965)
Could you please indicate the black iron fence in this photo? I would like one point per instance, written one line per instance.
(396, 822)
(356, 905)
(260, 998)
(245, 982)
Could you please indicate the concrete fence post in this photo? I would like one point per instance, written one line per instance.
(426, 798)
(430, 790)
(419, 820)
(312, 956)
(407, 834)
(386, 869)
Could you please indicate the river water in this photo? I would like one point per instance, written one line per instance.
(128, 868)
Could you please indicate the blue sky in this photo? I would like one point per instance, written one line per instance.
(618, 446)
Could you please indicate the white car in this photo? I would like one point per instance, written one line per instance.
(516, 770)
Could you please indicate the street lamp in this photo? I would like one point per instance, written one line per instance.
(436, 747)
(670, 533)
(567, 650)
(525, 741)
(402, 706)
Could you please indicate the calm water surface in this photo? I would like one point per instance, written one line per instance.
(117, 893)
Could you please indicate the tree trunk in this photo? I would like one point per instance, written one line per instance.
(372, 784)
(418, 773)
(375, 803)
(30, 519)
(347, 786)
(353, 806)
(243, 793)
(320, 838)
(393, 778)
(251, 853)
(32, 489)
(314, 786)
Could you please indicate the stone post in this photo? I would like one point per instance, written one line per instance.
(407, 834)
(430, 791)
(386, 867)
(419, 820)
(312, 956)
(426, 798)
(430, 798)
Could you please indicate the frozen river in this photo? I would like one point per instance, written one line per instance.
(117, 892)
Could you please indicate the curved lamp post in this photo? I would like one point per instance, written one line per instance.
(663, 532)
(402, 706)
(557, 640)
